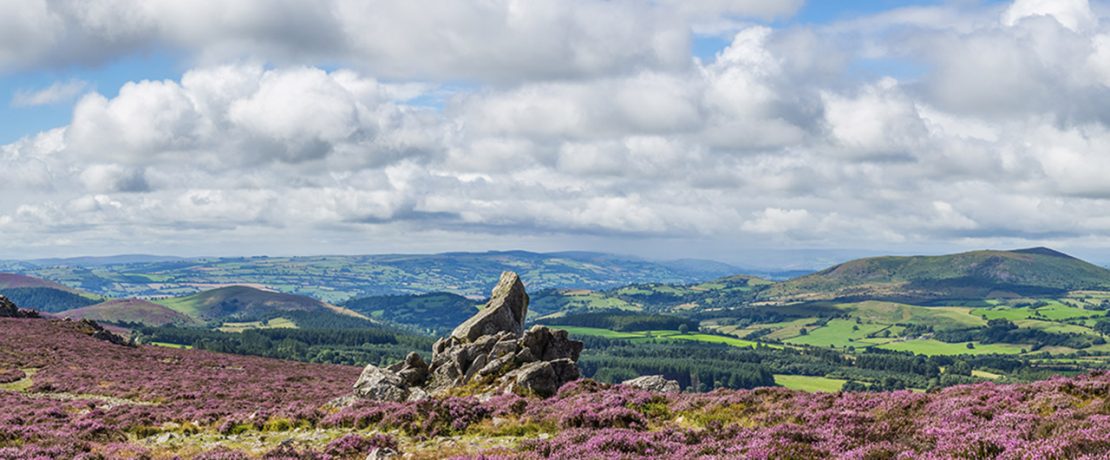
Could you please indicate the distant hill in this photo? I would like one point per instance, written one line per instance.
(16, 281)
(969, 275)
(341, 278)
(243, 303)
(105, 260)
(130, 311)
(437, 312)
(42, 295)
(729, 291)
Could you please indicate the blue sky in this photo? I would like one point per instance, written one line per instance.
(354, 126)
(158, 64)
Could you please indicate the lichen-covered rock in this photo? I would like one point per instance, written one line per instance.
(547, 345)
(656, 383)
(505, 311)
(413, 370)
(381, 385)
(542, 378)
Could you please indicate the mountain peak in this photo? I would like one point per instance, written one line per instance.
(1043, 251)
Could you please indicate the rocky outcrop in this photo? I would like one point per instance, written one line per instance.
(96, 331)
(8, 309)
(489, 353)
(381, 385)
(655, 383)
(505, 312)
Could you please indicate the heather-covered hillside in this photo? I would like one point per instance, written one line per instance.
(67, 395)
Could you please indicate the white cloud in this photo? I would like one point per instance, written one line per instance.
(777, 221)
(500, 40)
(1073, 14)
(53, 94)
(917, 126)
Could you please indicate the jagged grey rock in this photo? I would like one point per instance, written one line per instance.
(543, 378)
(381, 385)
(656, 383)
(505, 311)
(546, 344)
(7, 308)
(489, 353)
(413, 370)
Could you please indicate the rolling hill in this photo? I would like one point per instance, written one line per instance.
(130, 311)
(43, 295)
(437, 312)
(969, 275)
(340, 278)
(244, 303)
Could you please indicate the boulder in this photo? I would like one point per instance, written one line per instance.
(413, 370)
(656, 383)
(542, 378)
(505, 311)
(546, 344)
(381, 385)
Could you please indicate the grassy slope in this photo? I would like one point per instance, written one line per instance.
(975, 274)
(657, 335)
(13, 281)
(809, 383)
(276, 323)
(132, 311)
(931, 347)
(242, 303)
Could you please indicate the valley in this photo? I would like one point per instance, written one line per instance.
(1009, 315)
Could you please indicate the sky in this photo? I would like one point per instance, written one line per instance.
(764, 133)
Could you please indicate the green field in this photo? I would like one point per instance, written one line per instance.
(838, 333)
(276, 323)
(656, 335)
(183, 305)
(707, 338)
(1055, 327)
(810, 383)
(940, 318)
(1054, 311)
(930, 347)
(171, 345)
(598, 332)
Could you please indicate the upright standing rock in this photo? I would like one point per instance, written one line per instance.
(505, 312)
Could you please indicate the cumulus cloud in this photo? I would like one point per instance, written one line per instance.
(53, 94)
(1073, 14)
(502, 40)
(982, 129)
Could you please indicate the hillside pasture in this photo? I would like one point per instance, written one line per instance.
(940, 318)
(809, 384)
(276, 323)
(931, 347)
(838, 333)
